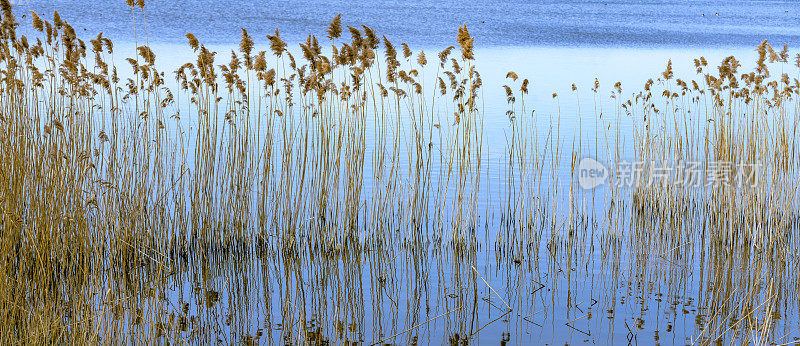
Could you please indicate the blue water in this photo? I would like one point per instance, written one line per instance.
(708, 23)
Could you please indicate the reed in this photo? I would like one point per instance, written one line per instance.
(192, 205)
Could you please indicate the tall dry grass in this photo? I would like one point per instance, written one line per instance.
(123, 183)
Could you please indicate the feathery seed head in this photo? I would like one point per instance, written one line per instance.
(444, 54)
(391, 52)
(466, 42)
(38, 24)
(276, 43)
(261, 62)
(667, 74)
(406, 50)
(371, 40)
(356, 35)
(109, 45)
(193, 41)
(512, 75)
(335, 27)
(57, 20)
(246, 45)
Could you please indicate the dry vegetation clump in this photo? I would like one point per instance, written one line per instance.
(270, 175)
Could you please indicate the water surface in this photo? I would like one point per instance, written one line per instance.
(706, 23)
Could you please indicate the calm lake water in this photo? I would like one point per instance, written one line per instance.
(605, 23)
(552, 43)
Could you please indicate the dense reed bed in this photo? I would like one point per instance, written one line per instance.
(346, 194)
